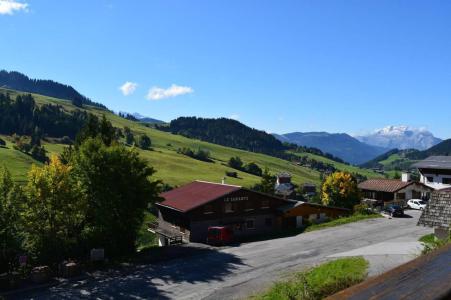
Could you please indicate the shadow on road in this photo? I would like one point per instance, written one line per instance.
(148, 281)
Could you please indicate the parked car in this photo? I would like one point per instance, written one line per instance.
(219, 235)
(394, 211)
(416, 204)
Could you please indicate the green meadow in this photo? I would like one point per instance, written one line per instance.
(172, 168)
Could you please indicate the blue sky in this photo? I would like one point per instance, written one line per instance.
(282, 66)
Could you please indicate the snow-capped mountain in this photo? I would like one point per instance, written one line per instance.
(146, 119)
(401, 137)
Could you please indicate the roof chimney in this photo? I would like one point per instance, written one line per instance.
(405, 177)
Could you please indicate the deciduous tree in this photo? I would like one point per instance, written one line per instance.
(340, 189)
(54, 212)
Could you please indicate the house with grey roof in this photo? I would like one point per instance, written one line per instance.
(437, 213)
(435, 171)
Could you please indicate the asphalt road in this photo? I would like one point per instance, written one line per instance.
(238, 272)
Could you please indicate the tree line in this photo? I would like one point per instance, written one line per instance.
(21, 82)
(23, 116)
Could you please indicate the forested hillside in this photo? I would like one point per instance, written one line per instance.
(226, 132)
(21, 82)
(22, 116)
(399, 160)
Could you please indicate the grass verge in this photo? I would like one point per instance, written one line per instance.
(342, 221)
(431, 242)
(319, 282)
(146, 239)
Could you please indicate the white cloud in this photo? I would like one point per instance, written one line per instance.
(158, 93)
(9, 7)
(128, 88)
(234, 117)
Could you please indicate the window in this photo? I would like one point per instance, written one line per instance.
(229, 207)
(430, 179)
(248, 206)
(265, 204)
(268, 222)
(446, 180)
(401, 196)
(208, 209)
(250, 224)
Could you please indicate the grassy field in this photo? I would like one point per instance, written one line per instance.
(173, 168)
(319, 282)
(17, 162)
(341, 166)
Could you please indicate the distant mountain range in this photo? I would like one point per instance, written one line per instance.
(341, 145)
(145, 119)
(400, 137)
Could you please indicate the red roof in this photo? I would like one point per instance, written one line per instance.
(384, 185)
(195, 194)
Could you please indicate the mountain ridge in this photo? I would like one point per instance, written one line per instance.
(400, 137)
(341, 145)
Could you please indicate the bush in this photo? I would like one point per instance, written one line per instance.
(236, 163)
(253, 168)
(362, 209)
(2, 143)
(203, 155)
(231, 174)
(144, 142)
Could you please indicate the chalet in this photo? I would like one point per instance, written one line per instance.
(187, 212)
(190, 210)
(393, 191)
(437, 213)
(299, 213)
(284, 188)
(435, 172)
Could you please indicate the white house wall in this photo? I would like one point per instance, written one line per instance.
(436, 183)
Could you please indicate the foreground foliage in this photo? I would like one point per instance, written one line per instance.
(321, 281)
(94, 195)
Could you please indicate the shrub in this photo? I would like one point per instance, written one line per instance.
(362, 209)
(144, 142)
(253, 168)
(200, 154)
(236, 163)
(232, 174)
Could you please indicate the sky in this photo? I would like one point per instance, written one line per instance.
(281, 66)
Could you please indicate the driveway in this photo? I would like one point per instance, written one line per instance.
(238, 272)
